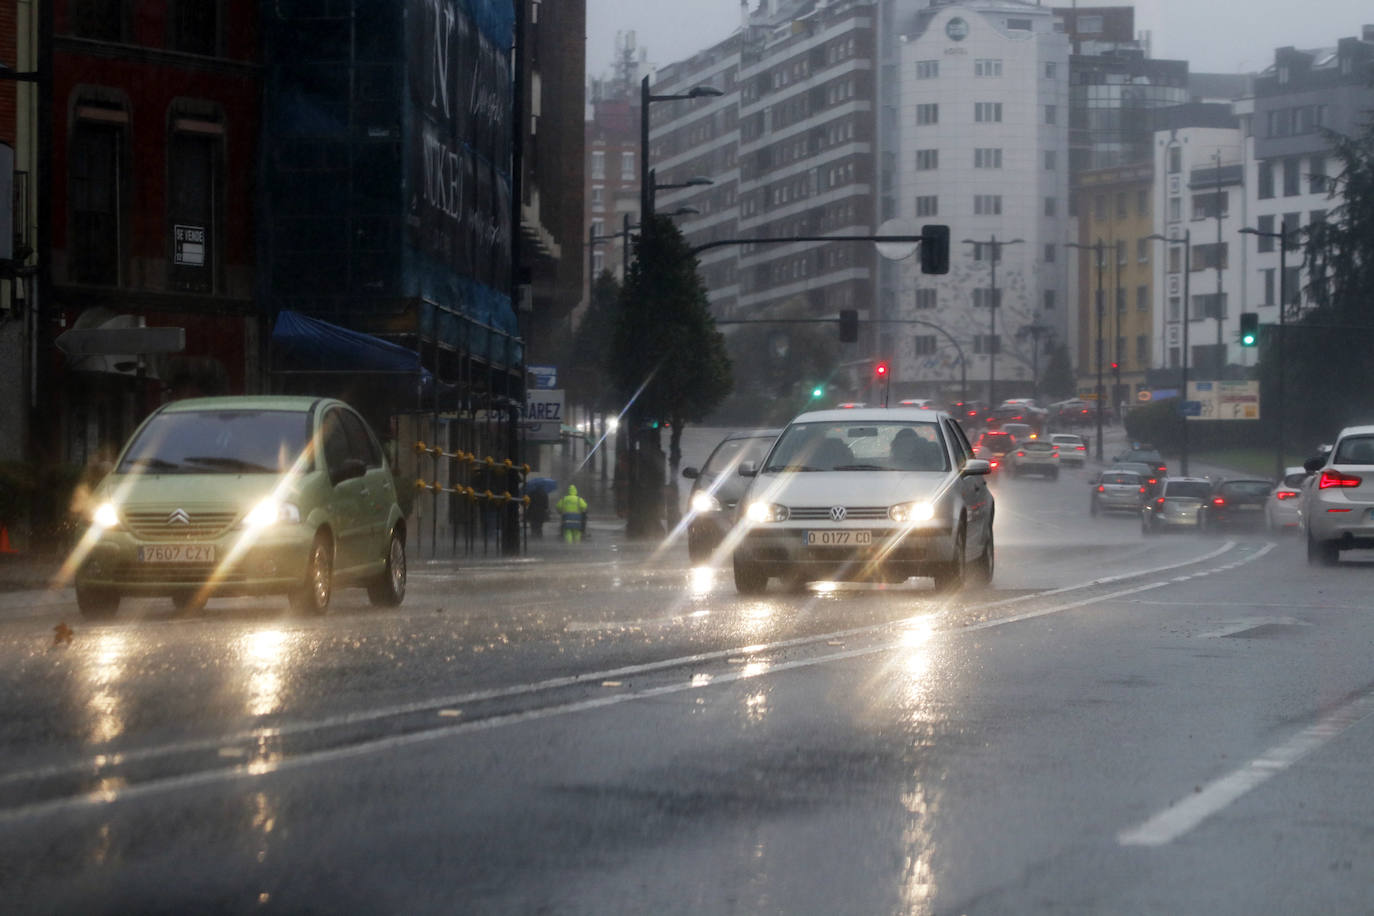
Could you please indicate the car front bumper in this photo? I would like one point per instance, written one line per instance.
(779, 550)
(271, 563)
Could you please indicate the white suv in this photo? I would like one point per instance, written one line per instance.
(866, 493)
(1338, 499)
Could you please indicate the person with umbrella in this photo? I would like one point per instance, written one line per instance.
(537, 512)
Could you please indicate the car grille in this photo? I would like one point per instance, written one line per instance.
(155, 526)
(822, 513)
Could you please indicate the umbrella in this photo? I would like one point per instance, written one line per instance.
(547, 484)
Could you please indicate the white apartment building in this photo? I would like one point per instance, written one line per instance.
(982, 147)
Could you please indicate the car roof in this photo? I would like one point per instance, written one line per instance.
(851, 414)
(753, 434)
(1188, 480)
(1356, 431)
(1121, 471)
(294, 403)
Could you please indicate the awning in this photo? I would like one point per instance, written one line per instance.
(304, 345)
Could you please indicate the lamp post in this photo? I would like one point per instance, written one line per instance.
(646, 204)
(1187, 241)
(995, 247)
(1101, 317)
(1282, 407)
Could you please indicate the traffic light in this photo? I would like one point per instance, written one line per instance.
(1249, 329)
(817, 392)
(849, 325)
(880, 371)
(934, 249)
(1116, 374)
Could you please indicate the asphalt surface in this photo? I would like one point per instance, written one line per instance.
(1118, 725)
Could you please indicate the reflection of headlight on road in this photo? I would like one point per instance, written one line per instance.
(105, 516)
(271, 512)
(704, 502)
(766, 512)
(912, 512)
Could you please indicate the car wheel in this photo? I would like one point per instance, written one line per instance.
(986, 565)
(187, 602)
(389, 589)
(1322, 553)
(313, 594)
(950, 576)
(97, 603)
(750, 579)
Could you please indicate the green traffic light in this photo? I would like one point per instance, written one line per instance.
(817, 391)
(1248, 340)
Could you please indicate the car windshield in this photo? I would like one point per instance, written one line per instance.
(1188, 489)
(863, 446)
(218, 442)
(732, 452)
(1295, 480)
(1355, 450)
(1063, 439)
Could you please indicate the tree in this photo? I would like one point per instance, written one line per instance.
(777, 366)
(1058, 381)
(665, 341)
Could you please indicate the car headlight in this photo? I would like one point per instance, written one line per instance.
(272, 512)
(106, 515)
(766, 512)
(911, 512)
(704, 502)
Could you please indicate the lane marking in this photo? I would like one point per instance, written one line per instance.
(311, 758)
(96, 764)
(1232, 627)
(1179, 819)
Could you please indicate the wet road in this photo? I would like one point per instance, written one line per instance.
(1120, 724)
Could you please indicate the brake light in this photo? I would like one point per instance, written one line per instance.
(1285, 494)
(1081, 448)
(1218, 501)
(1020, 454)
(994, 463)
(1152, 481)
(1142, 489)
(1160, 502)
(1337, 479)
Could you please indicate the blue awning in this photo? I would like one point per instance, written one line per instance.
(304, 343)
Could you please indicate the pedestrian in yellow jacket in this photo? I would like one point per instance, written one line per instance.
(573, 508)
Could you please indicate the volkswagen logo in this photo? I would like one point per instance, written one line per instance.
(179, 517)
(837, 513)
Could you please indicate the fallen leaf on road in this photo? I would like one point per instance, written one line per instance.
(62, 634)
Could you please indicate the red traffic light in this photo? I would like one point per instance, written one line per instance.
(880, 370)
(1116, 365)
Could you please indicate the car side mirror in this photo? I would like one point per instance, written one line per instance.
(748, 469)
(1314, 464)
(349, 469)
(691, 473)
(977, 466)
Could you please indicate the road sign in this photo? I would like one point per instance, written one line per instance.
(543, 417)
(543, 377)
(1225, 400)
(1143, 396)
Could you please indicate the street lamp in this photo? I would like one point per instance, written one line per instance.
(1282, 236)
(995, 247)
(1187, 241)
(697, 181)
(646, 201)
(1101, 388)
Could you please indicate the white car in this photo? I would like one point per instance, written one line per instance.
(1338, 502)
(1035, 457)
(1283, 508)
(878, 494)
(1072, 448)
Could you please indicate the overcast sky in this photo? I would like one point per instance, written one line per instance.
(1214, 36)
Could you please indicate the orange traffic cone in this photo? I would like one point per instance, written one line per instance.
(5, 546)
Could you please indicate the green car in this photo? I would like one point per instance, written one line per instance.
(245, 496)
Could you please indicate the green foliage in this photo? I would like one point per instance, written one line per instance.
(1158, 423)
(1058, 383)
(665, 338)
(770, 389)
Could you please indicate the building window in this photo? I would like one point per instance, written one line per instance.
(927, 69)
(1100, 207)
(1120, 204)
(1292, 223)
(927, 159)
(1268, 275)
(987, 343)
(1120, 247)
(1210, 256)
(1316, 178)
(1209, 305)
(195, 176)
(1051, 206)
(1266, 180)
(982, 295)
(928, 205)
(103, 20)
(987, 158)
(1211, 205)
(1049, 254)
(95, 170)
(987, 112)
(987, 205)
(1120, 299)
(928, 113)
(1292, 286)
(1292, 175)
(1175, 260)
(986, 66)
(1088, 25)
(193, 27)
(1142, 298)
(1142, 350)
(598, 198)
(1050, 160)
(598, 164)
(1263, 243)
(598, 263)
(1175, 209)
(1047, 300)
(1175, 307)
(1175, 160)
(925, 299)
(1316, 217)
(1142, 202)
(1051, 114)
(1051, 70)
(1142, 251)
(924, 344)
(627, 166)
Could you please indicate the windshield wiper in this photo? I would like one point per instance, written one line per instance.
(860, 467)
(155, 465)
(774, 468)
(235, 463)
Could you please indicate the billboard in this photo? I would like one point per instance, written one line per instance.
(1222, 401)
